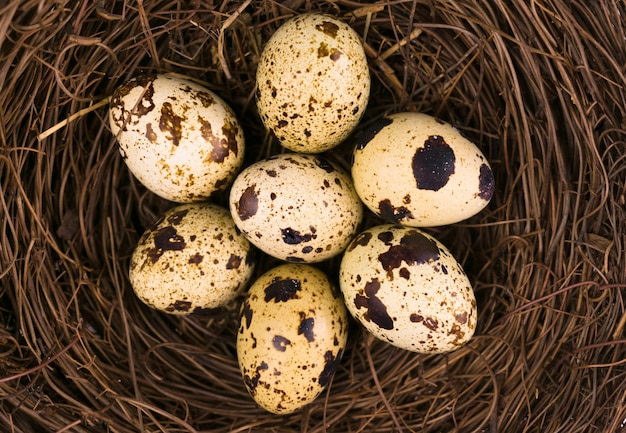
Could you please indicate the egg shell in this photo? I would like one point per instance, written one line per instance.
(407, 289)
(313, 82)
(192, 258)
(413, 169)
(291, 338)
(179, 139)
(296, 207)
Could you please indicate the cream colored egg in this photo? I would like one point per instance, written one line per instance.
(313, 83)
(406, 288)
(192, 258)
(413, 169)
(296, 207)
(179, 139)
(291, 337)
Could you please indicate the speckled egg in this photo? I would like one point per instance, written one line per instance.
(179, 139)
(192, 258)
(413, 169)
(291, 337)
(296, 207)
(313, 82)
(406, 288)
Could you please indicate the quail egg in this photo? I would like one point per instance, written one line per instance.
(407, 289)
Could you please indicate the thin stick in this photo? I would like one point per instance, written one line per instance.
(71, 118)
(220, 42)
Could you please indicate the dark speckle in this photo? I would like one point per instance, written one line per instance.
(233, 262)
(329, 28)
(431, 323)
(294, 237)
(271, 173)
(196, 259)
(433, 164)
(394, 214)
(376, 310)
(176, 217)
(367, 134)
(461, 318)
(330, 366)
(386, 237)
(486, 183)
(280, 343)
(248, 203)
(361, 240)
(404, 273)
(416, 318)
(165, 239)
(306, 327)
(253, 382)
(335, 54)
(414, 249)
(171, 123)
(281, 290)
(246, 313)
(179, 306)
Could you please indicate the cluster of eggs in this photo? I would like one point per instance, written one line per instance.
(185, 144)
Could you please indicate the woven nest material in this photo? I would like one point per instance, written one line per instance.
(539, 85)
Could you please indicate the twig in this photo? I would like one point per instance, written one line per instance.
(220, 41)
(48, 132)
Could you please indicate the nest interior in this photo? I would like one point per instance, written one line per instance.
(539, 86)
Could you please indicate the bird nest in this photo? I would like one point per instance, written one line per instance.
(539, 86)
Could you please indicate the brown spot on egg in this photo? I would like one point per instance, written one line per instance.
(282, 290)
(486, 183)
(431, 323)
(306, 327)
(461, 318)
(459, 335)
(416, 318)
(150, 134)
(328, 28)
(331, 363)
(294, 237)
(280, 343)
(376, 310)
(414, 249)
(322, 50)
(246, 313)
(230, 132)
(179, 306)
(404, 273)
(196, 259)
(234, 261)
(205, 98)
(171, 123)
(253, 381)
(385, 237)
(165, 239)
(361, 240)
(176, 217)
(248, 203)
(433, 164)
(394, 214)
(335, 54)
(145, 81)
(271, 173)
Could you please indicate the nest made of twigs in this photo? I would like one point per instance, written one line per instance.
(539, 86)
